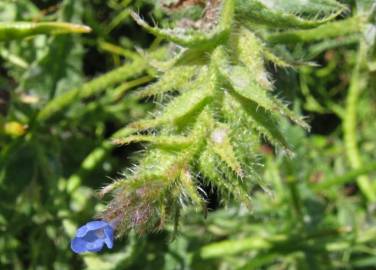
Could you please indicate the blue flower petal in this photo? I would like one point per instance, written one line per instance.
(78, 245)
(97, 224)
(93, 236)
(109, 236)
(95, 246)
(82, 231)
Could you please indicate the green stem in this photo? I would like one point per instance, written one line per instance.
(295, 200)
(18, 30)
(343, 179)
(350, 124)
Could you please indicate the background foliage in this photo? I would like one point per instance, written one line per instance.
(63, 99)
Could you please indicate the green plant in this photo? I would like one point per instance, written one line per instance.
(217, 103)
(220, 134)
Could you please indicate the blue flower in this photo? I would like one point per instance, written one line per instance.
(92, 236)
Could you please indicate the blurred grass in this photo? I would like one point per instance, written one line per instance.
(63, 99)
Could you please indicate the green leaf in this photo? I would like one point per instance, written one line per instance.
(243, 85)
(193, 38)
(262, 121)
(330, 30)
(173, 79)
(234, 246)
(178, 36)
(167, 142)
(179, 110)
(312, 7)
(214, 173)
(251, 52)
(254, 11)
(190, 188)
(220, 144)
